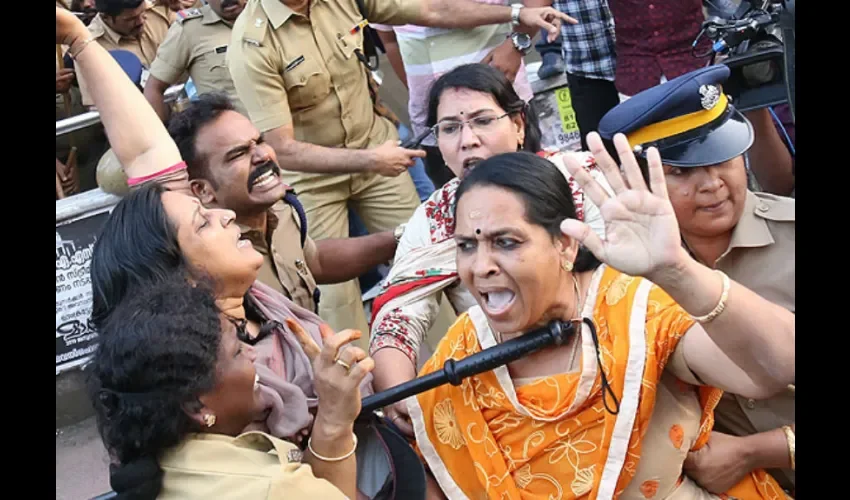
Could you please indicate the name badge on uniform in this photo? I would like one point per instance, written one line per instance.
(145, 75)
(294, 64)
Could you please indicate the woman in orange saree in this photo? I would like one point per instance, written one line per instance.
(606, 415)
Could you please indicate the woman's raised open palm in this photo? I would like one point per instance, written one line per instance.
(641, 233)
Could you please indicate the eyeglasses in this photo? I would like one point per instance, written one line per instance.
(451, 129)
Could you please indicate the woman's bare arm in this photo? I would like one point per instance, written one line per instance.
(137, 135)
(748, 349)
(749, 346)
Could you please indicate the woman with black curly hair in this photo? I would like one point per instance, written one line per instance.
(173, 388)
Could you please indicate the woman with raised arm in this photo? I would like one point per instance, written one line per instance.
(750, 236)
(140, 144)
(607, 414)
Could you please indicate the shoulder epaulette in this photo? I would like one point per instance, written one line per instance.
(256, 25)
(186, 14)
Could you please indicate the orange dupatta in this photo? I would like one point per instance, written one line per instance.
(553, 439)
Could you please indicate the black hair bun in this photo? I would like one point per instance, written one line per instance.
(137, 480)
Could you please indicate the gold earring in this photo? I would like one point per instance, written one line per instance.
(209, 420)
(567, 265)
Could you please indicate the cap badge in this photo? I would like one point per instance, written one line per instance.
(710, 96)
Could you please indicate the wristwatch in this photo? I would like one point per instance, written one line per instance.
(398, 231)
(515, 8)
(521, 41)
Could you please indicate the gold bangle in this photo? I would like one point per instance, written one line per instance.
(327, 459)
(75, 53)
(721, 304)
(791, 438)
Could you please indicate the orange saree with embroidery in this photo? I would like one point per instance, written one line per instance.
(490, 438)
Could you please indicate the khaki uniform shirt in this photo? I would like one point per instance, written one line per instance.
(197, 43)
(144, 47)
(251, 466)
(284, 261)
(761, 256)
(290, 69)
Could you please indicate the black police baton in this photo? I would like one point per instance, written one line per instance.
(555, 333)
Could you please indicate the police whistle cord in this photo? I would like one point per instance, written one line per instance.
(454, 371)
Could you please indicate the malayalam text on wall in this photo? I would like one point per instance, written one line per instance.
(75, 338)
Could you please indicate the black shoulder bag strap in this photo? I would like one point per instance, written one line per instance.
(292, 200)
(371, 42)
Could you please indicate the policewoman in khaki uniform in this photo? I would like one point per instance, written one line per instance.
(139, 30)
(749, 236)
(196, 43)
(296, 68)
(192, 418)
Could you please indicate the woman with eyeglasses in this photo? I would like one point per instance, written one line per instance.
(474, 113)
